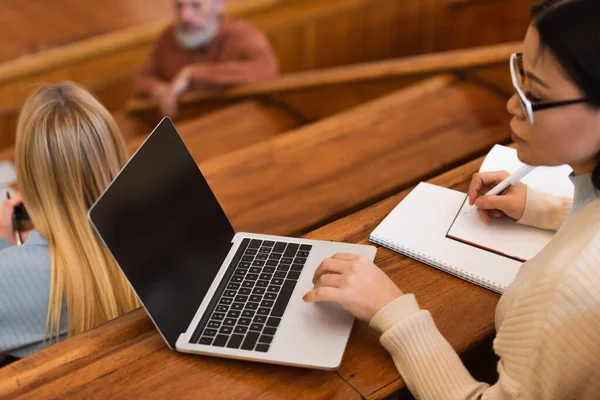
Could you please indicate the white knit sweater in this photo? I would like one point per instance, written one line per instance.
(547, 321)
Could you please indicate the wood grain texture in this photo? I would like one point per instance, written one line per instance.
(323, 171)
(463, 312)
(32, 27)
(126, 357)
(353, 77)
(494, 77)
(469, 23)
(314, 104)
(105, 64)
(213, 135)
(305, 35)
(230, 129)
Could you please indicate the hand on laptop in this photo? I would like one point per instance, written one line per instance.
(511, 202)
(355, 283)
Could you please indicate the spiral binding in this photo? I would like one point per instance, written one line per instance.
(437, 264)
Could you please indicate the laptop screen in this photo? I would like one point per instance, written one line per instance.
(165, 228)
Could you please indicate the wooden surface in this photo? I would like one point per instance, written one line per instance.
(34, 26)
(126, 358)
(358, 157)
(402, 28)
(469, 23)
(230, 129)
(343, 163)
(463, 312)
(105, 64)
(306, 34)
(31, 26)
(216, 134)
(312, 93)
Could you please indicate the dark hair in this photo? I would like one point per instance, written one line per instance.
(570, 30)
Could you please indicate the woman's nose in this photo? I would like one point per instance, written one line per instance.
(514, 108)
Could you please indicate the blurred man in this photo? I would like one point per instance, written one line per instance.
(203, 51)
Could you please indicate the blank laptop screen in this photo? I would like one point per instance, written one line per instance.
(165, 229)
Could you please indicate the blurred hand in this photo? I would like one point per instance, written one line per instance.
(182, 82)
(7, 208)
(511, 202)
(163, 97)
(355, 283)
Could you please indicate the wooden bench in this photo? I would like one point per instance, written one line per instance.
(230, 129)
(328, 169)
(127, 357)
(302, 33)
(216, 134)
(463, 312)
(321, 172)
(321, 93)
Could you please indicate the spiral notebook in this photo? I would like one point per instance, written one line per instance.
(432, 225)
(417, 228)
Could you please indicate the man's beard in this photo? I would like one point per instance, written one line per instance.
(199, 38)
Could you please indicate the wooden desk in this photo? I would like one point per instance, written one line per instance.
(126, 358)
(324, 171)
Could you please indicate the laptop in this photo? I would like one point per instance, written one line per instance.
(208, 289)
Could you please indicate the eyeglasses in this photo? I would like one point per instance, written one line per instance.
(517, 73)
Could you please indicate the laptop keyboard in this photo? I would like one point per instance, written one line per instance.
(247, 308)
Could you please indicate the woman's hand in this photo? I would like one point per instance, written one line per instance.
(355, 283)
(511, 202)
(7, 231)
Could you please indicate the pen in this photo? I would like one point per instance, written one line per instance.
(15, 224)
(511, 180)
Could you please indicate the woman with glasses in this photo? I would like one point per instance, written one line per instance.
(548, 320)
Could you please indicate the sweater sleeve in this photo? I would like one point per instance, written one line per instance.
(150, 73)
(545, 211)
(256, 61)
(548, 347)
(426, 361)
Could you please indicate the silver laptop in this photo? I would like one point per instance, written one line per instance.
(208, 289)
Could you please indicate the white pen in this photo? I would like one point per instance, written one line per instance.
(511, 180)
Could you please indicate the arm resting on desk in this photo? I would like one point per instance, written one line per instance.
(426, 361)
(148, 75)
(256, 62)
(545, 211)
(548, 342)
(234, 72)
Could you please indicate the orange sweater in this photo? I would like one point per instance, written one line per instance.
(239, 53)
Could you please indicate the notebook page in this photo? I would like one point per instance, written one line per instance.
(504, 236)
(419, 224)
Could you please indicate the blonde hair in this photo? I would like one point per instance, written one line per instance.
(68, 149)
